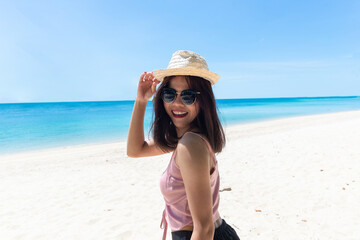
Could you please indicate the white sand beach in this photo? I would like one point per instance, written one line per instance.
(293, 178)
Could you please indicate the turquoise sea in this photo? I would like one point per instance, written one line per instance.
(31, 126)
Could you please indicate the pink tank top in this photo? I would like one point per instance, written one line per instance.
(177, 213)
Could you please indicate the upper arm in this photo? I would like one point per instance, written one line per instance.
(149, 148)
(193, 160)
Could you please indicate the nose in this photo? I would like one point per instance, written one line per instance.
(178, 99)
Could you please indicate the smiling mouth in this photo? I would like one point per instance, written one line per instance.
(178, 114)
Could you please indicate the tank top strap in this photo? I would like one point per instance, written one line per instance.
(208, 145)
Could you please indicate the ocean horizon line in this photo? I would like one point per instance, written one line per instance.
(91, 101)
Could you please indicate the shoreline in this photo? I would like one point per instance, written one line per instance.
(86, 101)
(290, 178)
(110, 142)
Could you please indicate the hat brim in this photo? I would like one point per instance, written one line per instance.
(160, 74)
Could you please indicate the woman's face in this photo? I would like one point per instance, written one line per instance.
(181, 115)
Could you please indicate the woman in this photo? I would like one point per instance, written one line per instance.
(186, 122)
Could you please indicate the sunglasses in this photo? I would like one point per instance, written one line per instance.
(188, 96)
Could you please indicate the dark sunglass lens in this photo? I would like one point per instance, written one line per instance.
(188, 97)
(168, 95)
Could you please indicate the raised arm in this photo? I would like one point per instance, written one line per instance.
(193, 159)
(136, 144)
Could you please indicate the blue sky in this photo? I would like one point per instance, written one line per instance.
(96, 50)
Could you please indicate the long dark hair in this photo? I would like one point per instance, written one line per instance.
(207, 120)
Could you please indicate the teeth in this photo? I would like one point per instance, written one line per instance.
(178, 113)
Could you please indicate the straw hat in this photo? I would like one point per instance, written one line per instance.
(187, 63)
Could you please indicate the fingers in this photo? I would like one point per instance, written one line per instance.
(148, 77)
(145, 77)
(153, 87)
(142, 77)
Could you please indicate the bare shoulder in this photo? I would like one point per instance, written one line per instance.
(192, 147)
(193, 142)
